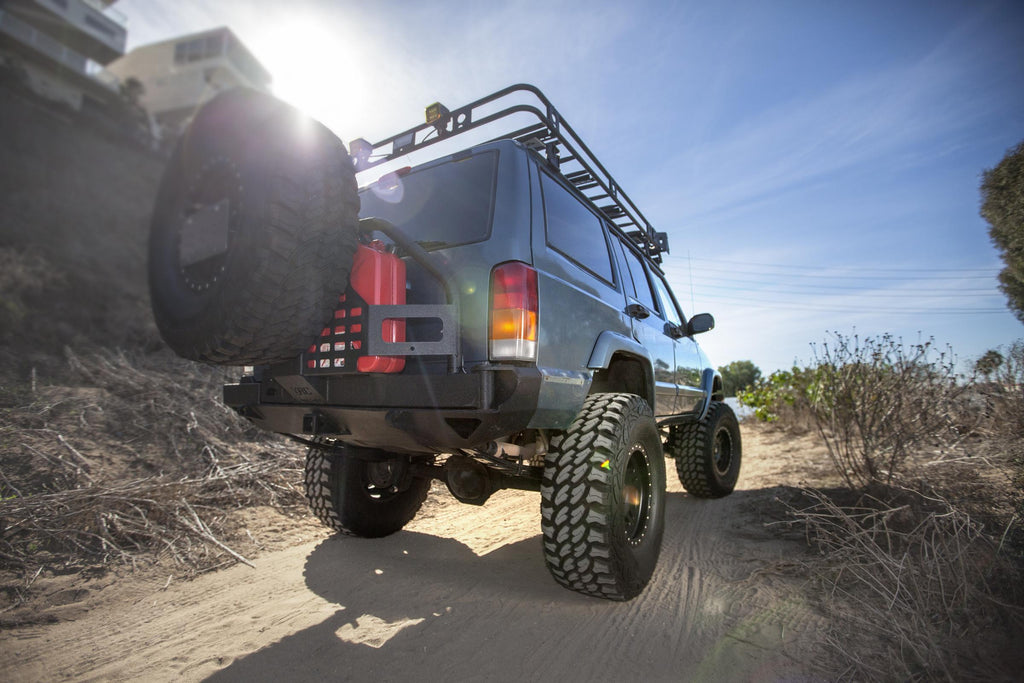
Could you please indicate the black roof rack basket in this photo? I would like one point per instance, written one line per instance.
(551, 136)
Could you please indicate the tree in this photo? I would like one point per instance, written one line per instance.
(1002, 205)
(738, 375)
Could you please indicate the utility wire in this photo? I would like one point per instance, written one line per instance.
(815, 287)
(846, 291)
(888, 269)
(835, 308)
(711, 269)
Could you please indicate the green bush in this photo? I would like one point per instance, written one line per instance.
(784, 397)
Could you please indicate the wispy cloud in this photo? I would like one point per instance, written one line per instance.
(806, 141)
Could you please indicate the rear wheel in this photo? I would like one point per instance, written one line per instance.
(603, 499)
(708, 453)
(253, 232)
(362, 497)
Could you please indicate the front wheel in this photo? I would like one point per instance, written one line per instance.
(362, 497)
(603, 499)
(708, 452)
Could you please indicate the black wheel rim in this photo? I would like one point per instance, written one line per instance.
(722, 454)
(208, 220)
(636, 495)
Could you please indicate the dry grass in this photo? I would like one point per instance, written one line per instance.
(139, 460)
(916, 588)
(118, 522)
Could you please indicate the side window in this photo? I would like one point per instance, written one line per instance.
(641, 284)
(668, 303)
(575, 231)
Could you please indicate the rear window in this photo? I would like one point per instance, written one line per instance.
(443, 205)
(575, 231)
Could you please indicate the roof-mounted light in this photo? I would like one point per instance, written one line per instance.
(438, 115)
(360, 151)
(661, 239)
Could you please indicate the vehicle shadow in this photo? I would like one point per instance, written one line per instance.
(418, 605)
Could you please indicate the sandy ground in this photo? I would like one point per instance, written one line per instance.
(463, 594)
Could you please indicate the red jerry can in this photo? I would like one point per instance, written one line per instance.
(379, 278)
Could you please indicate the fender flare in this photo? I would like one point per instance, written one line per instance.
(609, 343)
(707, 385)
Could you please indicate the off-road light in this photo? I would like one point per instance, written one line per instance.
(438, 114)
(513, 312)
(360, 150)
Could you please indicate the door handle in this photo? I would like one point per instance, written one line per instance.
(637, 311)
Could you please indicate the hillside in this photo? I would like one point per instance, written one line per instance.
(72, 237)
(108, 442)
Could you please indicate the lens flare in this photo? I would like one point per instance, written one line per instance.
(632, 495)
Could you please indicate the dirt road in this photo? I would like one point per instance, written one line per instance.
(463, 594)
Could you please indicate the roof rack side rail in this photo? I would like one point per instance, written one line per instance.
(550, 133)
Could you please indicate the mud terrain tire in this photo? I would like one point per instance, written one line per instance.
(253, 232)
(356, 497)
(603, 499)
(708, 453)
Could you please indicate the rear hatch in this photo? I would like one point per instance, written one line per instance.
(449, 207)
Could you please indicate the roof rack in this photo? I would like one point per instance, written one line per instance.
(551, 137)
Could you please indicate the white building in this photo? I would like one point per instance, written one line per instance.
(180, 74)
(61, 46)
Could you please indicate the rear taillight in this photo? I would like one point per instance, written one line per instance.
(513, 312)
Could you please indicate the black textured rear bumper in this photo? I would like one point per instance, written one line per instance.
(401, 413)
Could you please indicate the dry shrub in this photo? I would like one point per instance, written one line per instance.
(876, 399)
(1003, 430)
(140, 457)
(917, 589)
(1000, 394)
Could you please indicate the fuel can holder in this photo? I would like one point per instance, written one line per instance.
(359, 330)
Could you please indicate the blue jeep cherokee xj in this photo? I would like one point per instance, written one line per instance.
(494, 318)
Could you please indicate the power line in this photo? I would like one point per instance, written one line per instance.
(802, 305)
(847, 277)
(885, 270)
(871, 284)
(800, 288)
(847, 291)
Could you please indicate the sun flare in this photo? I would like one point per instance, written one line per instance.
(312, 68)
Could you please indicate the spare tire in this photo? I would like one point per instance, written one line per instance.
(253, 232)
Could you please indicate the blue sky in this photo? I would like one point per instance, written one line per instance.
(816, 164)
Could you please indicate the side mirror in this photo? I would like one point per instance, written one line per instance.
(702, 322)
